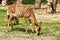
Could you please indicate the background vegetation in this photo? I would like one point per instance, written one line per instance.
(33, 1)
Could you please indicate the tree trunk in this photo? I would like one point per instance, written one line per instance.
(21, 1)
(37, 4)
(54, 5)
(51, 6)
(3, 2)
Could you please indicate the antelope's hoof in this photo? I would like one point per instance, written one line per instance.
(26, 32)
(33, 31)
(9, 30)
(7, 24)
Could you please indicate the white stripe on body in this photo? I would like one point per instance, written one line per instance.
(14, 15)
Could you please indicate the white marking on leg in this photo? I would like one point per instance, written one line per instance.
(7, 12)
(14, 15)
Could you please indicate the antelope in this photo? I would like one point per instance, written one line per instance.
(19, 10)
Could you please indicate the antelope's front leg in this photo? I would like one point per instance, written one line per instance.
(17, 20)
(31, 24)
(26, 24)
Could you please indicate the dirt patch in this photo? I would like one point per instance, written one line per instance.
(20, 36)
(43, 16)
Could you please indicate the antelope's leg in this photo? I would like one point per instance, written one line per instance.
(8, 16)
(31, 26)
(9, 22)
(26, 20)
(7, 19)
(17, 20)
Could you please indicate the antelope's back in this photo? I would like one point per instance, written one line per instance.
(12, 8)
(22, 10)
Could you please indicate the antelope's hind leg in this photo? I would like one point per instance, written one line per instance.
(16, 20)
(9, 24)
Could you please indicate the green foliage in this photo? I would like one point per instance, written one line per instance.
(0, 1)
(44, 1)
(33, 1)
(58, 1)
(28, 1)
(10, 2)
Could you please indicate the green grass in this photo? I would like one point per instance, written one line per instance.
(47, 29)
(59, 1)
(31, 2)
(2, 17)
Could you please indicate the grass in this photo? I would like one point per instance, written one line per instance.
(47, 30)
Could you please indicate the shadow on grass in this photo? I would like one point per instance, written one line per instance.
(23, 30)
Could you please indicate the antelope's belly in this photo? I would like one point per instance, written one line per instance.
(18, 15)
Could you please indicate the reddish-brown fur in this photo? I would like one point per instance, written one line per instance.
(21, 10)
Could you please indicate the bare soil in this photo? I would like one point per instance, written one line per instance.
(43, 16)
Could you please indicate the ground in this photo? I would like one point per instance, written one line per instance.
(50, 28)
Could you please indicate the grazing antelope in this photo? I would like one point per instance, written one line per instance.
(19, 10)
